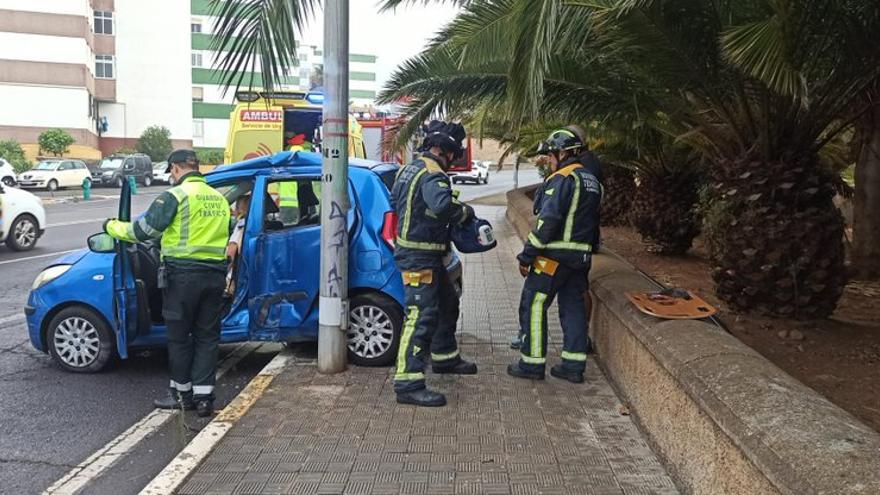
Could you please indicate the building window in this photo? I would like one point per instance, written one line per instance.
(104, 66)
(197, 59)
(103, 22)
(198, 128)
(195, 26)
(198, 93)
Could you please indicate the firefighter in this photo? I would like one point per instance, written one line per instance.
(193, 221)
(556, 258)
(426, 207)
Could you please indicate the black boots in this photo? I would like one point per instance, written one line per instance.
(176, 400)
(422, 397)
(204, 407)
(559, 371)
(460, 367)
(516, 370)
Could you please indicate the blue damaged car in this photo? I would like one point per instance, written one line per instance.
(96, 304)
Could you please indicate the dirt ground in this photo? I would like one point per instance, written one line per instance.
(838, 357)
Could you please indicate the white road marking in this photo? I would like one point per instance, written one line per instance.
(11, 318)
(75, 222)
(190, 457)
(97, 463)
(56, 253)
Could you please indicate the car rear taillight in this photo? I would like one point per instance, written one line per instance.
(389, 228)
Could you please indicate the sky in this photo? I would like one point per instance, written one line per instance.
(392, 36)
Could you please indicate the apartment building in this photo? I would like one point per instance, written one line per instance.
(103, 70)
(211, 107)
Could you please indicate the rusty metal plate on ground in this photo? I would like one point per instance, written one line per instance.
(678, 304)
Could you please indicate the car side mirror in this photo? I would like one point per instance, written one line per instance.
(102, 243)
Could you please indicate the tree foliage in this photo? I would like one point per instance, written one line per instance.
(155, 142)
(11, 151)
(55, 141)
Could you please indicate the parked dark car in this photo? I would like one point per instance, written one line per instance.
(114, 170)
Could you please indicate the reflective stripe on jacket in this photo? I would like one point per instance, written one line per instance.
(192, 219)
(425, 206)
(567, 207)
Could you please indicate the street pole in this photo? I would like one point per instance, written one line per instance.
(333, 303)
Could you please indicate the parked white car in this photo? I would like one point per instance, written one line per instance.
(7, 173)
(479, 173)
(22, 218)
(160, 175)
(52, 174)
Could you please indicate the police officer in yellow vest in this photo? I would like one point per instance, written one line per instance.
(193, 221)
(426, 207)
(557, 256)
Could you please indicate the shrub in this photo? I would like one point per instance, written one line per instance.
(11, 151)
(155, 142)
(55, 141)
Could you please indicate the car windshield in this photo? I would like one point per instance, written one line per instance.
(47, 165)
(111, 163)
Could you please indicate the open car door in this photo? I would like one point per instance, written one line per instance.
(124, 288)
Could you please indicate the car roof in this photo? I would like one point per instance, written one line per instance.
(300, 162)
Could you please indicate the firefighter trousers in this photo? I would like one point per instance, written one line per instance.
(432, 309)
(547, 280)
(192, 305)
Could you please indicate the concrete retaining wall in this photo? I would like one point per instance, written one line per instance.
(725, 420)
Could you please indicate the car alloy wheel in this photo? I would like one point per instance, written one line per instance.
(148, 181)
(24, 233)
(119, 181)
(370, 332)
(52, 185)
(8, 181)
(76, 342)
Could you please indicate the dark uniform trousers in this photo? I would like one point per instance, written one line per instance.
(541, 287)
(192, 303)
(432, 309)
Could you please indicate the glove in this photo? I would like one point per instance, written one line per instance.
(104, 225)
(468, 213)
(524, 270)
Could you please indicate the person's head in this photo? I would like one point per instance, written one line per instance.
(562, 144)
(243, 205)
(182, 162)
(444, 140)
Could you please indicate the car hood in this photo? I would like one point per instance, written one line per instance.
(37, 173)
(22, 195)
(71, 258)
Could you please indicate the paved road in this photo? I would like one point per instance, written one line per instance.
(51, 420)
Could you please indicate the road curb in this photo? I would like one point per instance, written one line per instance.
(179, 469)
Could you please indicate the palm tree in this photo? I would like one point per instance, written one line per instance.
(758, 87)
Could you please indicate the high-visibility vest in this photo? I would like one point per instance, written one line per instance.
(288, 194)
(200, 229)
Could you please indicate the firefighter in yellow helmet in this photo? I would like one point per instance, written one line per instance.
(557, 255)
(193, 222)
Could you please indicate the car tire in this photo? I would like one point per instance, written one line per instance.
(486, 179)
(8, 181)
(376, 322)
(148, 181)
(52, 185)
(80, 341)
(119, 182)
(23, 233)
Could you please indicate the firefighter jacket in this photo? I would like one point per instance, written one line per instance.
(567, 208)
(426, 206)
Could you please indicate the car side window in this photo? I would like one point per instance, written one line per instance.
(66, 166)
(295, 203)
(144, 163)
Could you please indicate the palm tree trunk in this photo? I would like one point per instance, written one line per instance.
(866, 207)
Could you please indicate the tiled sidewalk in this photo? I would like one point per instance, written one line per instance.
(344, 433)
